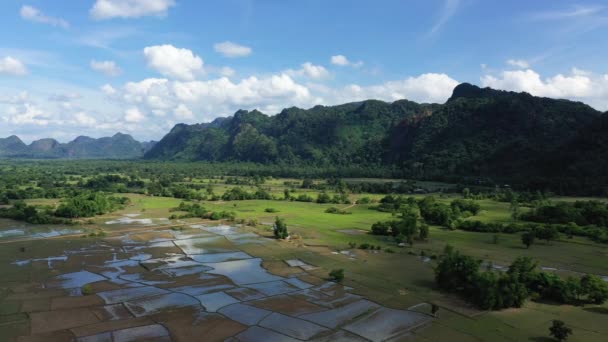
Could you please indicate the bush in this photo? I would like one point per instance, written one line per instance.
(87, 290)
(280, 229)
(337, 275)
(271, 210)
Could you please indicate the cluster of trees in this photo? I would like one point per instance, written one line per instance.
(22, 212)
(494, 290)
(334, 210)
(90, 204)
(197, 210)
(406, 229)
(539, 230)
(85, 204)
(582, 213)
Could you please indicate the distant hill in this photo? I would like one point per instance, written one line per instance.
(119, 146)
(478, 133)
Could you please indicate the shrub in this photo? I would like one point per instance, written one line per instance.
(87, 290)
(337, 275)
(271, 210)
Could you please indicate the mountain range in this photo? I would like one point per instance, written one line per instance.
(479, 133)
(119, 146)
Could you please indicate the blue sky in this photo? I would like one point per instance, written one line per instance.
(96, 67)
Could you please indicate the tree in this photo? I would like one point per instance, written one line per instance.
(280, 229)
(423, 232)
(559, 330)
(337, 275)
(527, 239)
(514, 208)
(595, 288)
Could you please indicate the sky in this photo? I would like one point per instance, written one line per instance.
(97, 67)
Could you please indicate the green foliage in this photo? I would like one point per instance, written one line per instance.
(559, 330)
(280, 229)
(528, 238)
(87, 290)
(459, 273)
(90, 204)
(337, 275)
(271, 210)
(334, 210)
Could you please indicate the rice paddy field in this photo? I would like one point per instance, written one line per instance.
(141, 274)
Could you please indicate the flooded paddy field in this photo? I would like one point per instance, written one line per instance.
(201, 282)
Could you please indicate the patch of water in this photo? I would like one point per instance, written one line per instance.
(244, 314)
(122, 295)
(222, 230)
(220, 257)
(50, 260)
(129, 220)
(293, 327)
(248, 271)
(75, 280)
(385, 323)
(151, 305)
(256, 333)
(273, 288)
(335, 317)
(197, 290)
(298, 283)
(156, 332)
(216, 300)
(183, 271)
(199, 245)
(11, 233)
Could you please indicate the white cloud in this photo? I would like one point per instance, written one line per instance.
(27, 113)
(64, 97)
(108, 89)
(232, 50)
(83, 119)
(109, 68)
(518, 63)
(33, 14)
(577, 11)
(182, 112)
(227, 71)
(578, 85)
(133, 114)
(430, 87)
(310, 70)
(12, 66)
(341, 60)
(174, 62)
(108, 9)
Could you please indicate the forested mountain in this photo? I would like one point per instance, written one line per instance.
(478, 133)
(119, 146)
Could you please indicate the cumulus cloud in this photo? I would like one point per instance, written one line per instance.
(108, 68)
(430, 87)
(174, 62)
(108, 9)
(12, 66)
(27, 113)
(108, 89)
(183, 113)
(518, 63)
(232, 50)
(227, 71)
(341, 60)
(310, 70)
(578, 85)
(33, 14)
(133, 114)
(83, 119)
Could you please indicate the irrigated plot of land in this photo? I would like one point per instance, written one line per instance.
(192, 284)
